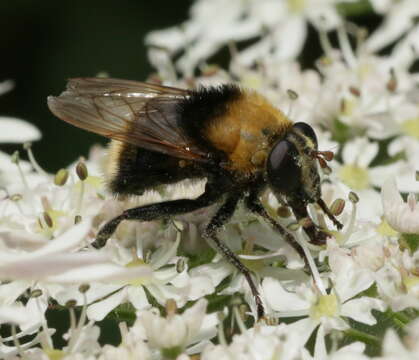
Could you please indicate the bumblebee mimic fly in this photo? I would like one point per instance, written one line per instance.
(232, 137)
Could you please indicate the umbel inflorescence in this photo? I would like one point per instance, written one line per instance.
(168, 293)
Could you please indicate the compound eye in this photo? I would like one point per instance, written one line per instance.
(282, 168)
(306, 130)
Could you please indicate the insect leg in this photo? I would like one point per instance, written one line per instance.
(316, 236)
(223, 214)
(254, 205)
(159, 211)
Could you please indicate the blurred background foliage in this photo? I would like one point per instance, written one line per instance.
(43, 43)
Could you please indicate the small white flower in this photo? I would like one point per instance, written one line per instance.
(402, 216)
(286, 23)
(260, 342)
(356, 174)
(405, 349)
(175, 333)
(400, 19)
(162, 280)
(326, 309)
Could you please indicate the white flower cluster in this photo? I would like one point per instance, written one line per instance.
(172, 295)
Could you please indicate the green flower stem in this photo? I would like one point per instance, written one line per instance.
(399, 318)
(363, 337)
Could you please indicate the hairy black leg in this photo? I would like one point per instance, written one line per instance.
(254, 205)
(159, 211)
(223, 214)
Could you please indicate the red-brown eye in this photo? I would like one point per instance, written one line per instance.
(306, 130)
(283, 170)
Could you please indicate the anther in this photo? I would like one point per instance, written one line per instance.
(392, 82)
(81, 170)
(47, 219)
(83, 288)
(353, 197)
(337, 207)
(171, 307)
(293, 95)
(36, 293)
(329, 214)
(61, 177)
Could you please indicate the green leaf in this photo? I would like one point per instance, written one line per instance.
(411, 241)
(361, 7)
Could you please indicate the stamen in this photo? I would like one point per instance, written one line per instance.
(28, 147)
(82, 173)
(71, 304)
(221, 336)
(361, 33)
(346, 47)
(350, 227)
(337, 207)
(180, 265)
(392, 82)
(171, 308)
(293, 96)
(325, 44)
(16, 160)
(46, 340)
(313, 268)
(75, 334)
(16, 342)
(326, 210)
(61, 177)
(239, 320)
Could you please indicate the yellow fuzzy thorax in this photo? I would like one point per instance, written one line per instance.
(246, 130)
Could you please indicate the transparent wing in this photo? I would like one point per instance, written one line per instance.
(141, 114)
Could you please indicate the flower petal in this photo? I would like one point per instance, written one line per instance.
(13, 130)
(360, 309)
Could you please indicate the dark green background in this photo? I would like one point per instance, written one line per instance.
(42, 43)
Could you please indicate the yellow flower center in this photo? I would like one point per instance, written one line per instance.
(327, 305)
(138, 281)
(354, 176)
(296, 6)
(385, 229)
(410, 281)
(255, 265)
(54, 354)
(348, 107)
(411, 127)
